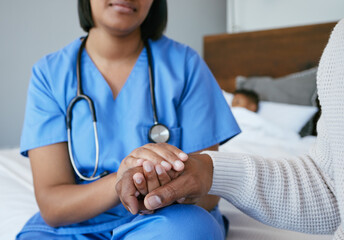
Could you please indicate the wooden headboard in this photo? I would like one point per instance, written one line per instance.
(272, 53)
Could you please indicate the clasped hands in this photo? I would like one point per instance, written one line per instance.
(158, 175)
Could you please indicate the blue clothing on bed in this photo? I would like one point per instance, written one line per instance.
(189, 102)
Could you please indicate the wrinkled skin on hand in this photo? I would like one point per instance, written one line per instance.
(136, 176)
(186, 187)
(193, 183)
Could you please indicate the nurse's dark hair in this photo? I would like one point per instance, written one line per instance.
(152, 27)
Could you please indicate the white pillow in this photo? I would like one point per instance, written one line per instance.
(288, 116)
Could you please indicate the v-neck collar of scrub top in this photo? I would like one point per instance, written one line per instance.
(89, 65)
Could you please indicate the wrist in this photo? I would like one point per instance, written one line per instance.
(207, 162)
(205, 170)
(113, 179)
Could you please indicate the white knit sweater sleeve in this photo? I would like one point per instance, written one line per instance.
(303, 193)
(284, 193)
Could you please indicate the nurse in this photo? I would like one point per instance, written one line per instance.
(115, 75)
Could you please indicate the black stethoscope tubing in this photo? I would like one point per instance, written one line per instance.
(157, 133)
(151, 81)
(80, 93)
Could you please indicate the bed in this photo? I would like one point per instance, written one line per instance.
(18, 205)
(272, 54)
(280, 65)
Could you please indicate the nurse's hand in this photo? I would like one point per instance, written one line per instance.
(163, 154)
(159, 162)
(127, 191)
(188, 187)
(152, 178)
(136, 182)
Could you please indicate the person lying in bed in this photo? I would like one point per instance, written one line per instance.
(304, 193)
(248, 99)
(245, 106)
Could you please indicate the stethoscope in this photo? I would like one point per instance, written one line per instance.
(158, 133)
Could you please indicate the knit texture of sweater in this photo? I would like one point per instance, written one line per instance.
(304, 193)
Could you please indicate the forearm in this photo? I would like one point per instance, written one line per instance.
(70, 203)
(290, 194)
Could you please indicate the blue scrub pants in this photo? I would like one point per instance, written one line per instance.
(176, 222)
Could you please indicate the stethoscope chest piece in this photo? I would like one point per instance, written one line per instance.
(159, 133)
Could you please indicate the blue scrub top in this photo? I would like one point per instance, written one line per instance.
(189, 102)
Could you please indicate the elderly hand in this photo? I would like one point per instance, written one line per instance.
(193, 183)
(145, 169)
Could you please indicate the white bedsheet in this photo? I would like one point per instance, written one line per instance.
(17, 205)
(17, 201)
(264, 138)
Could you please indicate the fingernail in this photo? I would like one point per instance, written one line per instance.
(154, 201)
(183, 156)
(145, 212)
(178, 165)
(147, 167)
(137, 193)
(158, 170)
(139, 162)
(181, 200)
(166, 165)
(130, 210)
(137, 179)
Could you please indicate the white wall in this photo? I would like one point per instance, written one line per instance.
(31, 29)
(190, 20)
(265, 14)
